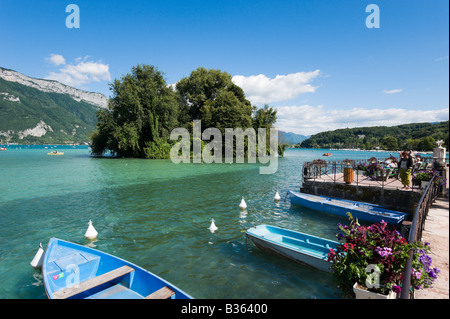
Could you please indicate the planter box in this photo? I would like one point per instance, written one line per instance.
(382, 177)
(366, 294)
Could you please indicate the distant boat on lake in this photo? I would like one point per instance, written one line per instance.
(300, 247)
(340, 207)
(55, 153)
(326, 154)
(74, 271)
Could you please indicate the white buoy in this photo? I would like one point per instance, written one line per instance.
(242, 205)
(277, 197)
(91, 233)
(37, 260)
(213, 226)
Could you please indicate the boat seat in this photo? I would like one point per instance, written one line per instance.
(91, 283)
(163, 293)
(115, 292)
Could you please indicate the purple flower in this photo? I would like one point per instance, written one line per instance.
(433, 273)
(396, 289)
(384, 252)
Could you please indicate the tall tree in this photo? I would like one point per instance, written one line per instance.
(264, 117)
(142, 111)
(211, 96)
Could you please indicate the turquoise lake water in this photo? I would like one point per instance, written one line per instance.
(156, 214)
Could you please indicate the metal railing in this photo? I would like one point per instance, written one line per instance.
(415, 232)
(343, 171)
(339, 171)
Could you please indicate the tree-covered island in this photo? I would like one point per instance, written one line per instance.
(144, 109)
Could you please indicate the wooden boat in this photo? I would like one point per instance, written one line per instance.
(326, 154)
(362, 211)
(297, 246)
(2, 148)
(55, 153)
(74, 271)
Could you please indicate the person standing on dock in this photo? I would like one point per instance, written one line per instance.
(405, 167)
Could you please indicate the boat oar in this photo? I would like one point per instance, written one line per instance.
(286, 196)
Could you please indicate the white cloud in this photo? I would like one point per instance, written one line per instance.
(392, 91)
(56, 59)
(307, 119)
(260, 89)
(81, 72)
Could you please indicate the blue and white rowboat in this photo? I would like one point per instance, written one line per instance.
(340, 207)
(300, 247)
(74, 271)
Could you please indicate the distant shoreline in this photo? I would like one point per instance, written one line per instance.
(359, 150)
(44, 146)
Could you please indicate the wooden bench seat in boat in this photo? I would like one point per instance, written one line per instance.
(163, 293)
(91, 283)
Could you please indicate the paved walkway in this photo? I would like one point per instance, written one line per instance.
(436, 232)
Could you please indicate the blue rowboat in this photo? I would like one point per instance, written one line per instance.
(74, 271)
(340, 207)
(300, 247)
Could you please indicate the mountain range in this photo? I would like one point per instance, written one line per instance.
(48, 112)
(45, 111)
(291, 138)
(39, 111)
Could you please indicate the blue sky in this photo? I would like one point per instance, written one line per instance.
(315, 61)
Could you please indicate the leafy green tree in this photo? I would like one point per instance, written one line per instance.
(446, 144)
(140, 116)
(410, 144)
(390, 142)
(211, 96)
(426, 143)
(264, 117)
(226, 111)
(103, 137)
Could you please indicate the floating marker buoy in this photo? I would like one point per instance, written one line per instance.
(242, 205)
(37, 260)
(213, 226)
(277, 197)
(91, 233)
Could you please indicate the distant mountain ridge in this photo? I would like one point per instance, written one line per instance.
(52, 86)
(290, 138)
(37, 111)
